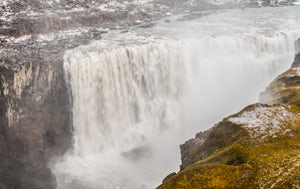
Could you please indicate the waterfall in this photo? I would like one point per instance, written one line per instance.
(134, 103)
(121, 94)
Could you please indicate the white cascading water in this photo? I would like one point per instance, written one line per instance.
(118, 94)
(134, 103)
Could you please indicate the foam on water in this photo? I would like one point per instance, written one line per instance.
(136, 98)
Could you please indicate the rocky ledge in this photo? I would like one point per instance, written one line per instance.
(257, 147)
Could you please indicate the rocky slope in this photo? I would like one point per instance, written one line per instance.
(35, 124)
(257, 147)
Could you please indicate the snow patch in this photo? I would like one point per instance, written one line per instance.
(222, 2)
(21, 39)
(265, 121)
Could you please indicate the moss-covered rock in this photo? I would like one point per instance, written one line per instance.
(258, 147)
(285, 88)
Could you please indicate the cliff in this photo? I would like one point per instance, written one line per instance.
(35, 124)
(257, 147)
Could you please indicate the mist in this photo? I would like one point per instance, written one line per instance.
(138, 96)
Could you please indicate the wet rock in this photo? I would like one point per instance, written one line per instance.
(206, 143)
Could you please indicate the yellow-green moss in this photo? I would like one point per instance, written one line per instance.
(275, 163)
(211, 176)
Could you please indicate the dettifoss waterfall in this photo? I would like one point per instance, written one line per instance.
(135, 102)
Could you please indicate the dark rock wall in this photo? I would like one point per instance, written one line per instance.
(35, 124)
(206, 143)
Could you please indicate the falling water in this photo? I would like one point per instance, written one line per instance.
(122, 94)
(135, 101)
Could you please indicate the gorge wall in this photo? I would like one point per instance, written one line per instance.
(35, 123)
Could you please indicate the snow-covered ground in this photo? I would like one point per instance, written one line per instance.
(265, 121)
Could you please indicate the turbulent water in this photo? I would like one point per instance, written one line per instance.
(137, 96)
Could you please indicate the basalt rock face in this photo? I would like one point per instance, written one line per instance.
(206, 143)
(35, 124)
(257, 147)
